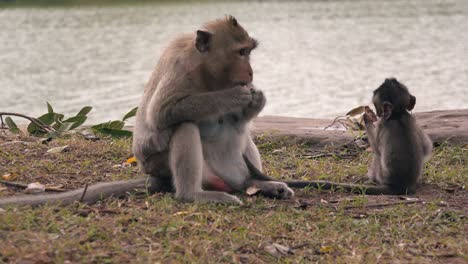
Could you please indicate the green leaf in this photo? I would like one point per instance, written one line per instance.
(65, 126)
(100, 126)
(132, 113)
(77, 120)
(47, 119)
(58, 117)
(49, 108)
(116, 124)
(85, 110)
(11, 125)
(116, 133)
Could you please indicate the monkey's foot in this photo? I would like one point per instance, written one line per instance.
(211, 197)
(275, 189)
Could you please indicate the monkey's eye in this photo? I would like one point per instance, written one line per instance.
(244, 52)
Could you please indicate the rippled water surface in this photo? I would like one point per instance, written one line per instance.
(316, 58)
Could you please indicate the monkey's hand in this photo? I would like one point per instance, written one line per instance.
(240, 96)
(256, 105)
(368, 120)
(369, 116)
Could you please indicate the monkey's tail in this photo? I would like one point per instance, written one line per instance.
(89, 195)
(351, 188)
(255, 172)
(323, 185)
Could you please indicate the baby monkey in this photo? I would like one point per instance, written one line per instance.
(400, 146)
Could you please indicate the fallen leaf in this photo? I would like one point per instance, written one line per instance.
(58, 149)
(131, 160)
(278, 250)
(326, 249)
(278, 150)
(124, 164)
(252, 190)
(8, 177)
(35, 187)
(356, 111)
(353, 123)
(181, 213)
(408, 198)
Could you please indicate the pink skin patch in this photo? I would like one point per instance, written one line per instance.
(214, 183)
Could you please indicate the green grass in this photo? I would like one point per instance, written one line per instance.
(319, 226)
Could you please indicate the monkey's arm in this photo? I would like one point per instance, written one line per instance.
(426, 144)
(201, 106)
(88, 195)
(371, 132)
(257, 104)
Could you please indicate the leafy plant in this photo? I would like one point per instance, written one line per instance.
(58, 123)
(115, 128)
(53, 125)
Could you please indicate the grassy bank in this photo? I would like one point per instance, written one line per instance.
(315, 226)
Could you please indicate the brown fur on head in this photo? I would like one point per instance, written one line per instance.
(392, 98)
(225, 47)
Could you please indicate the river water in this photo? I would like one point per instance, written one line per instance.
(315, 59)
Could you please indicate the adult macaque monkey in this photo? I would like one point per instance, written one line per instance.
(400, 146)
(192, 126)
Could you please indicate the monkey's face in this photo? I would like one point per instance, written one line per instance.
(395, 94)
(237, 62)
(226, 49)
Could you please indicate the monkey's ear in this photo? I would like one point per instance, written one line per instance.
(233, 20)
(387, 109)
(412, 103)
(202, 43)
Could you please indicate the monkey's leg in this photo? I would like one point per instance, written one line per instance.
(186, 164)
(426, 144)
(267, 185)
(374, 169)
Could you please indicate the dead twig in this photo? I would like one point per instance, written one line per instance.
(84, 192)
(24, 186)
(381, 204)
(35, 121)
(331, 154)
(335, 121)
(16, 142)
(306, 244)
